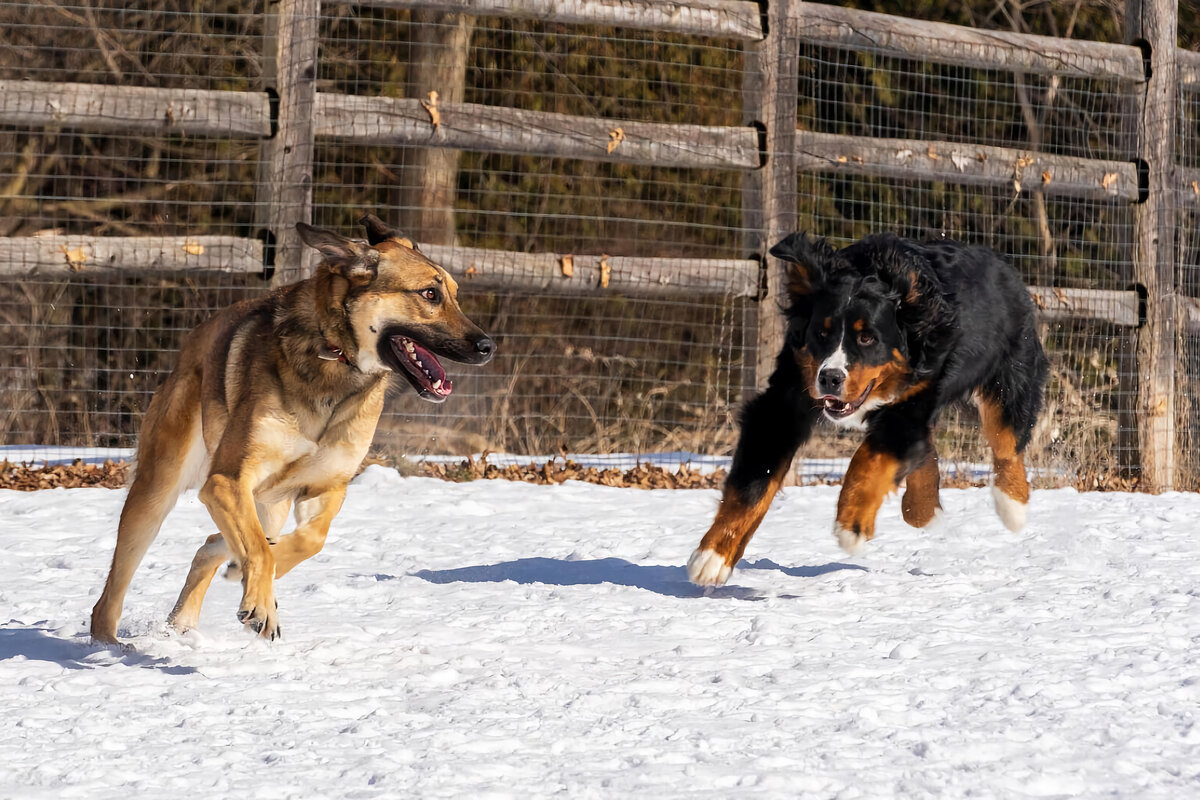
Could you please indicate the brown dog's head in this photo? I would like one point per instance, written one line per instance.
(400, 308)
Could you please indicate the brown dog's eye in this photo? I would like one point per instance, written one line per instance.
(865, 340)
(430, 294)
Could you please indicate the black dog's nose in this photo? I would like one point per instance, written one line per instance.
(486, 348)
(831, 381)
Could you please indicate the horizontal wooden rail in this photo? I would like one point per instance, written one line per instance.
(1119, 308)
(1190, 309)
(1189, 66)
(57, 255)
(1188, 194)
(709, 18)
(469, 126)
(545, 271)
(966, 164)
(37, 104)
(967, 47)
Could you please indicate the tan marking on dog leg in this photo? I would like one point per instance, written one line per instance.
(870, 477)
(726, 540)
(208, 559)
(1010, 488)
(920, 504)
(313, 516)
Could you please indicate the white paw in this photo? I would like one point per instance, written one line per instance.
(849, 541)
(706, 568)
(1012, 512)
(233, 571)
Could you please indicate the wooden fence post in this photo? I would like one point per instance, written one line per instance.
(1152, 24)
(780, 65)
(290, 70)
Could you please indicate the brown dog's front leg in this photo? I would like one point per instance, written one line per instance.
(313, 515)
(232, 508)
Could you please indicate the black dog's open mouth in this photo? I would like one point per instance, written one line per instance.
(837, 409)
(422, 368)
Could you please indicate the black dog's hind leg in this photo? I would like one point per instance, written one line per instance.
(1009, 405)
(774, 425)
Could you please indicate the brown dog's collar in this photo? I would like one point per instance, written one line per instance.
(330, 353)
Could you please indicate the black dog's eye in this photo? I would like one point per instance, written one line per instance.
(865, 340)
(431, 294)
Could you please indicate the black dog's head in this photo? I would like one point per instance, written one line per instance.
(866, 324)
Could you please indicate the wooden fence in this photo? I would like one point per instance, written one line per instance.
(288, 115)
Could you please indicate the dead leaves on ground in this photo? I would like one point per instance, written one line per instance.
(113, 474)
(643, 476)
(28, 478)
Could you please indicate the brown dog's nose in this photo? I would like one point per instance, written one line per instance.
(486, 349)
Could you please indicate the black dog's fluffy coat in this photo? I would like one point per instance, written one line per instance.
(883, 335)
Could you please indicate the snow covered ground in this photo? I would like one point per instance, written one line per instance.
(504, 640)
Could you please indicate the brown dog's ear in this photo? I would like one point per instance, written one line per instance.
(809, 262)
(353, 259)
(379, 231)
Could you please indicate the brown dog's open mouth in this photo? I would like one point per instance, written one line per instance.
(837, 409)
(422, 368)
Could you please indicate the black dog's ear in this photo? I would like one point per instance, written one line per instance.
(353, 259)
(809, 262)
(379, 231)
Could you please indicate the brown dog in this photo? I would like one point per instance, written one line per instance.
(274, 403)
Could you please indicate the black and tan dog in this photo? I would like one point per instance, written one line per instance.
(884, 335)
(274, 403)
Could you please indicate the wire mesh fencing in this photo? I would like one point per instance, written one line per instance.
(594, 182)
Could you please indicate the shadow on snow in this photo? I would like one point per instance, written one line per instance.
(663, 580)
(39, 644)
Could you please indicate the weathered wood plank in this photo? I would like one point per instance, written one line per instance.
(779, 59)
(966, 164)
(134, 109)
(967, 47)
(1119, 308)
(708, 18)
(1190, 313)
(286, 175)
(1155, 23)
(1189, 66)
(1187, 184)
(72, 255)
(470, 126)
(474, 266)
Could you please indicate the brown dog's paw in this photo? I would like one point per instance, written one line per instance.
(265, 624)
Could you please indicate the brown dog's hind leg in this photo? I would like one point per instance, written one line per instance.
(920, 504)
(1010, 488)
(208, 559)
(170, 453)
